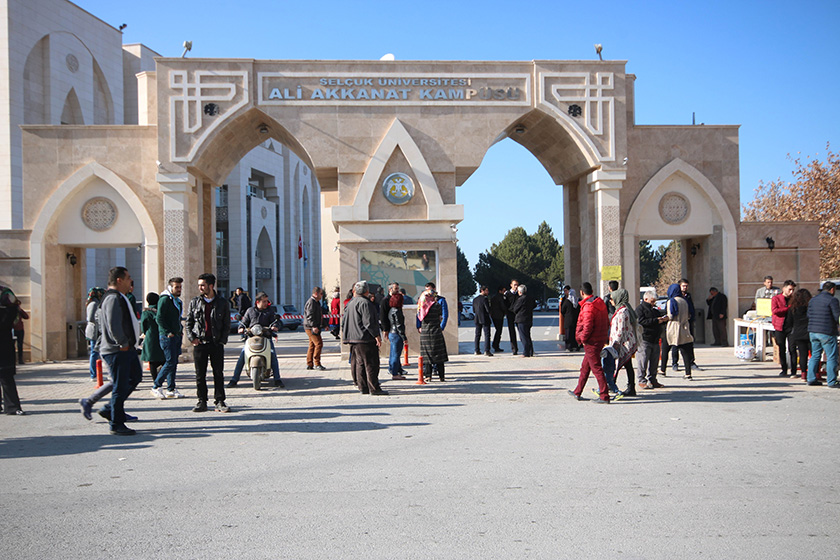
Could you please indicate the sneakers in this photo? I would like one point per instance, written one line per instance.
(222, 407)
(157, 392)
(87, 408)
(200, 407)
(174, 394)
(645, 385)
(232, 384)
(695, 367)
(319, 367)
(688, 377)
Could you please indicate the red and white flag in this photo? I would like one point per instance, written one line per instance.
(300, 247)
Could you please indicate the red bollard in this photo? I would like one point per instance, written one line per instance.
(98, 374)
(420, 380)
(405, 355)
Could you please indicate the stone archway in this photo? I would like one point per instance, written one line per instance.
(702, 215)
(47, 257)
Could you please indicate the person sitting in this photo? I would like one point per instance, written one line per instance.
(261, 314)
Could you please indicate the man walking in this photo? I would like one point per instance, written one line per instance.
(718, 303)
(208, 327)
(823, 314)
(168, 318)
(593, 333)
(498, 309)
(241, 301)
(481, 308)
(119, 334)
(510, 299)
(313, 322)
(360, 329)
(651, 320)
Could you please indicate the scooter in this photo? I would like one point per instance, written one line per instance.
(258, 353)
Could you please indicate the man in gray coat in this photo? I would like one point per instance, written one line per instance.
(360, 329)
(120, 332)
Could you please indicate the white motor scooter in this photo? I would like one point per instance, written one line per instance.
(258, 353)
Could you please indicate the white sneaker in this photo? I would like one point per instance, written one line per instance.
(174, 394)
(158, 393)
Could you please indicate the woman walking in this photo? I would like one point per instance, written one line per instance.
(623, 340)
(432, 344)
(92, 328)
(677, 330)
(796, 321)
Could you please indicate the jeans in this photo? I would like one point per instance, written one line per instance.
(240, 363)
(394, 365)
(94, 355)
(215, 353)
(126, 374)
(608, 365)
(171, 350)
(820, 342)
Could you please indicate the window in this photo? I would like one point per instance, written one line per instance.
(222, 196)
(411, 269)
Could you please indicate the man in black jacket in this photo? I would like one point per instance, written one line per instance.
(498, 309)
(823, 314)
(481, 308)
(208, 327)
(510, 300)
(313, 322)
(261, 314)
(717, 303)
(360, 329)
(651, 320)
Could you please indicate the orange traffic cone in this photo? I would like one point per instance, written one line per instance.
(405, 355)
(98, 374)
(420, 380)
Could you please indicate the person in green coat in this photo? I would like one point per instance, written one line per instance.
(152, 351)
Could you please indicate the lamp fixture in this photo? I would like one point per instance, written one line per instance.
(187, 48)
(263, 128)
(694, 249)
(72, 258)
(598, 48)
(770, 243)
(520, 129)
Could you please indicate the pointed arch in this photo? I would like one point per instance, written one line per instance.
(72, 111)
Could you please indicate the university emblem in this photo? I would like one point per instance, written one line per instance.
(398, 188)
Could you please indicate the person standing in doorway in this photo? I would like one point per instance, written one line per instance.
(651, 320)
(481, 308)
(569, 311)
(523, 310)
(823, 314)
(510, 300)
(686, 295)
(593, 332)
(677, 331)
(208, 327)
(169, 310)
(120, 332)
(498, 310)
(8, 388)
(718, 304)
(313, 323)
(19, 331)
(92, 329)
(779, 305)
(360, 329)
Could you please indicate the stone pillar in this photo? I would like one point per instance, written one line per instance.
(606, 186)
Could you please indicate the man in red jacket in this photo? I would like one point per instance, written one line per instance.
(593, 329)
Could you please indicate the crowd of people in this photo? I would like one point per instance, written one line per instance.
(610, 332)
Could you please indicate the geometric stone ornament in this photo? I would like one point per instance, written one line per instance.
(674, 208)
(99, 214)
(398, 188)
(72, 63)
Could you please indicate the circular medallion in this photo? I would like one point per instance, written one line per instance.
(674, 208)
(72, 63)
(263, 212)
(398, 188)
(99, 214)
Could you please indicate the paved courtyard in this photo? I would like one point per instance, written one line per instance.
(498, 462)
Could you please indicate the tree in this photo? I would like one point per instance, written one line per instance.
(649, 262)
(670, 268)
(535, 260)
(466, 283)
(813, 195)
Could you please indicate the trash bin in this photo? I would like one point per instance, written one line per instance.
(72, 341)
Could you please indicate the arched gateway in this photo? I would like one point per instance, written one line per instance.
(390, 142)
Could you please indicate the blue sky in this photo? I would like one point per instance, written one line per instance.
(771, 67)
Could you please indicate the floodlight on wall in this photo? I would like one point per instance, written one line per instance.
(520, 129)
(123, 26)
(72, 258)
(770, 243)
(389, 57)
(694, 249)
(263, 128)
(187, 48)
(598, 48)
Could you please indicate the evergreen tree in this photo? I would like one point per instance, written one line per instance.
(649, 262)
(466, 283)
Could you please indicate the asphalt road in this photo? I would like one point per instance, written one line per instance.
(498, 462)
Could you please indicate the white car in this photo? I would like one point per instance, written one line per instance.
(467, 313)
(553, 304)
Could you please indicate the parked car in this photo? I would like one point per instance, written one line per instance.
(467, 313)
(234, 321)
(287, 322)
(553, 304)
(661, 302)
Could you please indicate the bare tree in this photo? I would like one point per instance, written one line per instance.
(813, 195)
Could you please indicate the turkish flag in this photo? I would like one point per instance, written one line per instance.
(300, 247)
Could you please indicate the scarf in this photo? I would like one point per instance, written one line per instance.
(573, 297)
(427, 300)
(621, 297)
